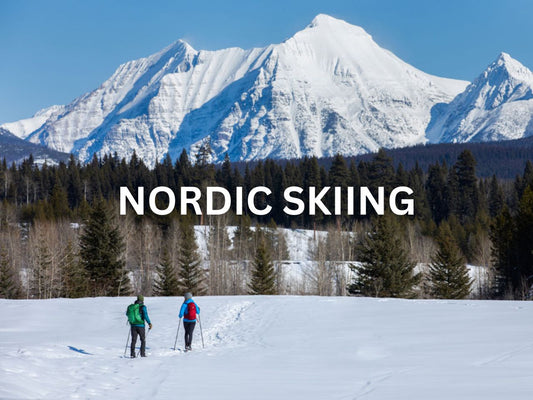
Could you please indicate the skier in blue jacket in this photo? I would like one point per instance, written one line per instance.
(189, 311)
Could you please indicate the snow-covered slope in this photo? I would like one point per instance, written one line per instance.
(26, 126)
(328, 89)
(498, 105)
(270, 348)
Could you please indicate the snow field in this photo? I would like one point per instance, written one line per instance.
(270, 347)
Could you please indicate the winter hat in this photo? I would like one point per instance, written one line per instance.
(188, 296)
(140, 298)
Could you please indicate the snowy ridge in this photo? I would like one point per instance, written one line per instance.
(498, 105)
(25, 127)
(275, 347)
(328, 89)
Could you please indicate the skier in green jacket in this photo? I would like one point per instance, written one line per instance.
(137, 314)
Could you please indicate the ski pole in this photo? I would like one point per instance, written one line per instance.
(176, 341)
(127, 341)
(145, 337)
(201, 332)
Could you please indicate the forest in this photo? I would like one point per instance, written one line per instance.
(61, 234)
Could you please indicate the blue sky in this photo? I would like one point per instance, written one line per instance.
(53, 51)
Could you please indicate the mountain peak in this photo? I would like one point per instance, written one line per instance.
(329, 22)
(322, 19)
(503, 57)
(496, 106)
(513, 67)
(178, 46)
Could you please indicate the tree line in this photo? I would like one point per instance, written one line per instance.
(48, 231)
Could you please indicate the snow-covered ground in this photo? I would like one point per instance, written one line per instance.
(271, 348)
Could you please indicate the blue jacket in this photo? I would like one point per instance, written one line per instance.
(183, 310)
(144, 314)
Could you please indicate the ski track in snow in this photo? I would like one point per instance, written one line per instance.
(371, 383)
(499, 358)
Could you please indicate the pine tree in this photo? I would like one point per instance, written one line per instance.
(59, 202)
(436, 192)
(468, 193)
(243, 238)
(74, 189)
(224, 175)
(338, 176)
(73, 273)
(167, 281)
(448, 273)
(524, 243)
(190, 273)
(42, 271)
(502, 232)
(10, 286)
(381, 171)
(496, 198)
(263, 279)
(101, 250)
(385, 269)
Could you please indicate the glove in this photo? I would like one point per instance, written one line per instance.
(150, 325)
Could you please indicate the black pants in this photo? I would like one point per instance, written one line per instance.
(189, 329)
(138, 331)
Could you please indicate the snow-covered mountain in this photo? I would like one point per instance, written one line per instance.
(14, 149)
(328, 89)
(498, 105)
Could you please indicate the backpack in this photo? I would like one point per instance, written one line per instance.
(134, 314)
(191, 311)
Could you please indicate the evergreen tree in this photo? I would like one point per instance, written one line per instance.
(502, 235)
(416, 182)
(263, 279)
(74, 188)
(527, 178)
(74, 275)
(224, 175)
(385, 269)
(183, 169)
(448, 273)
(381, 171)
(311, 178)
(496, 199)
(243, 238)
(338, 176)
(101, 250)
(59, 202)
(204, 153)
(10, 286)
(190, 273)
(42, 283)
(468, 193)
(167, 281)
(524, 242)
